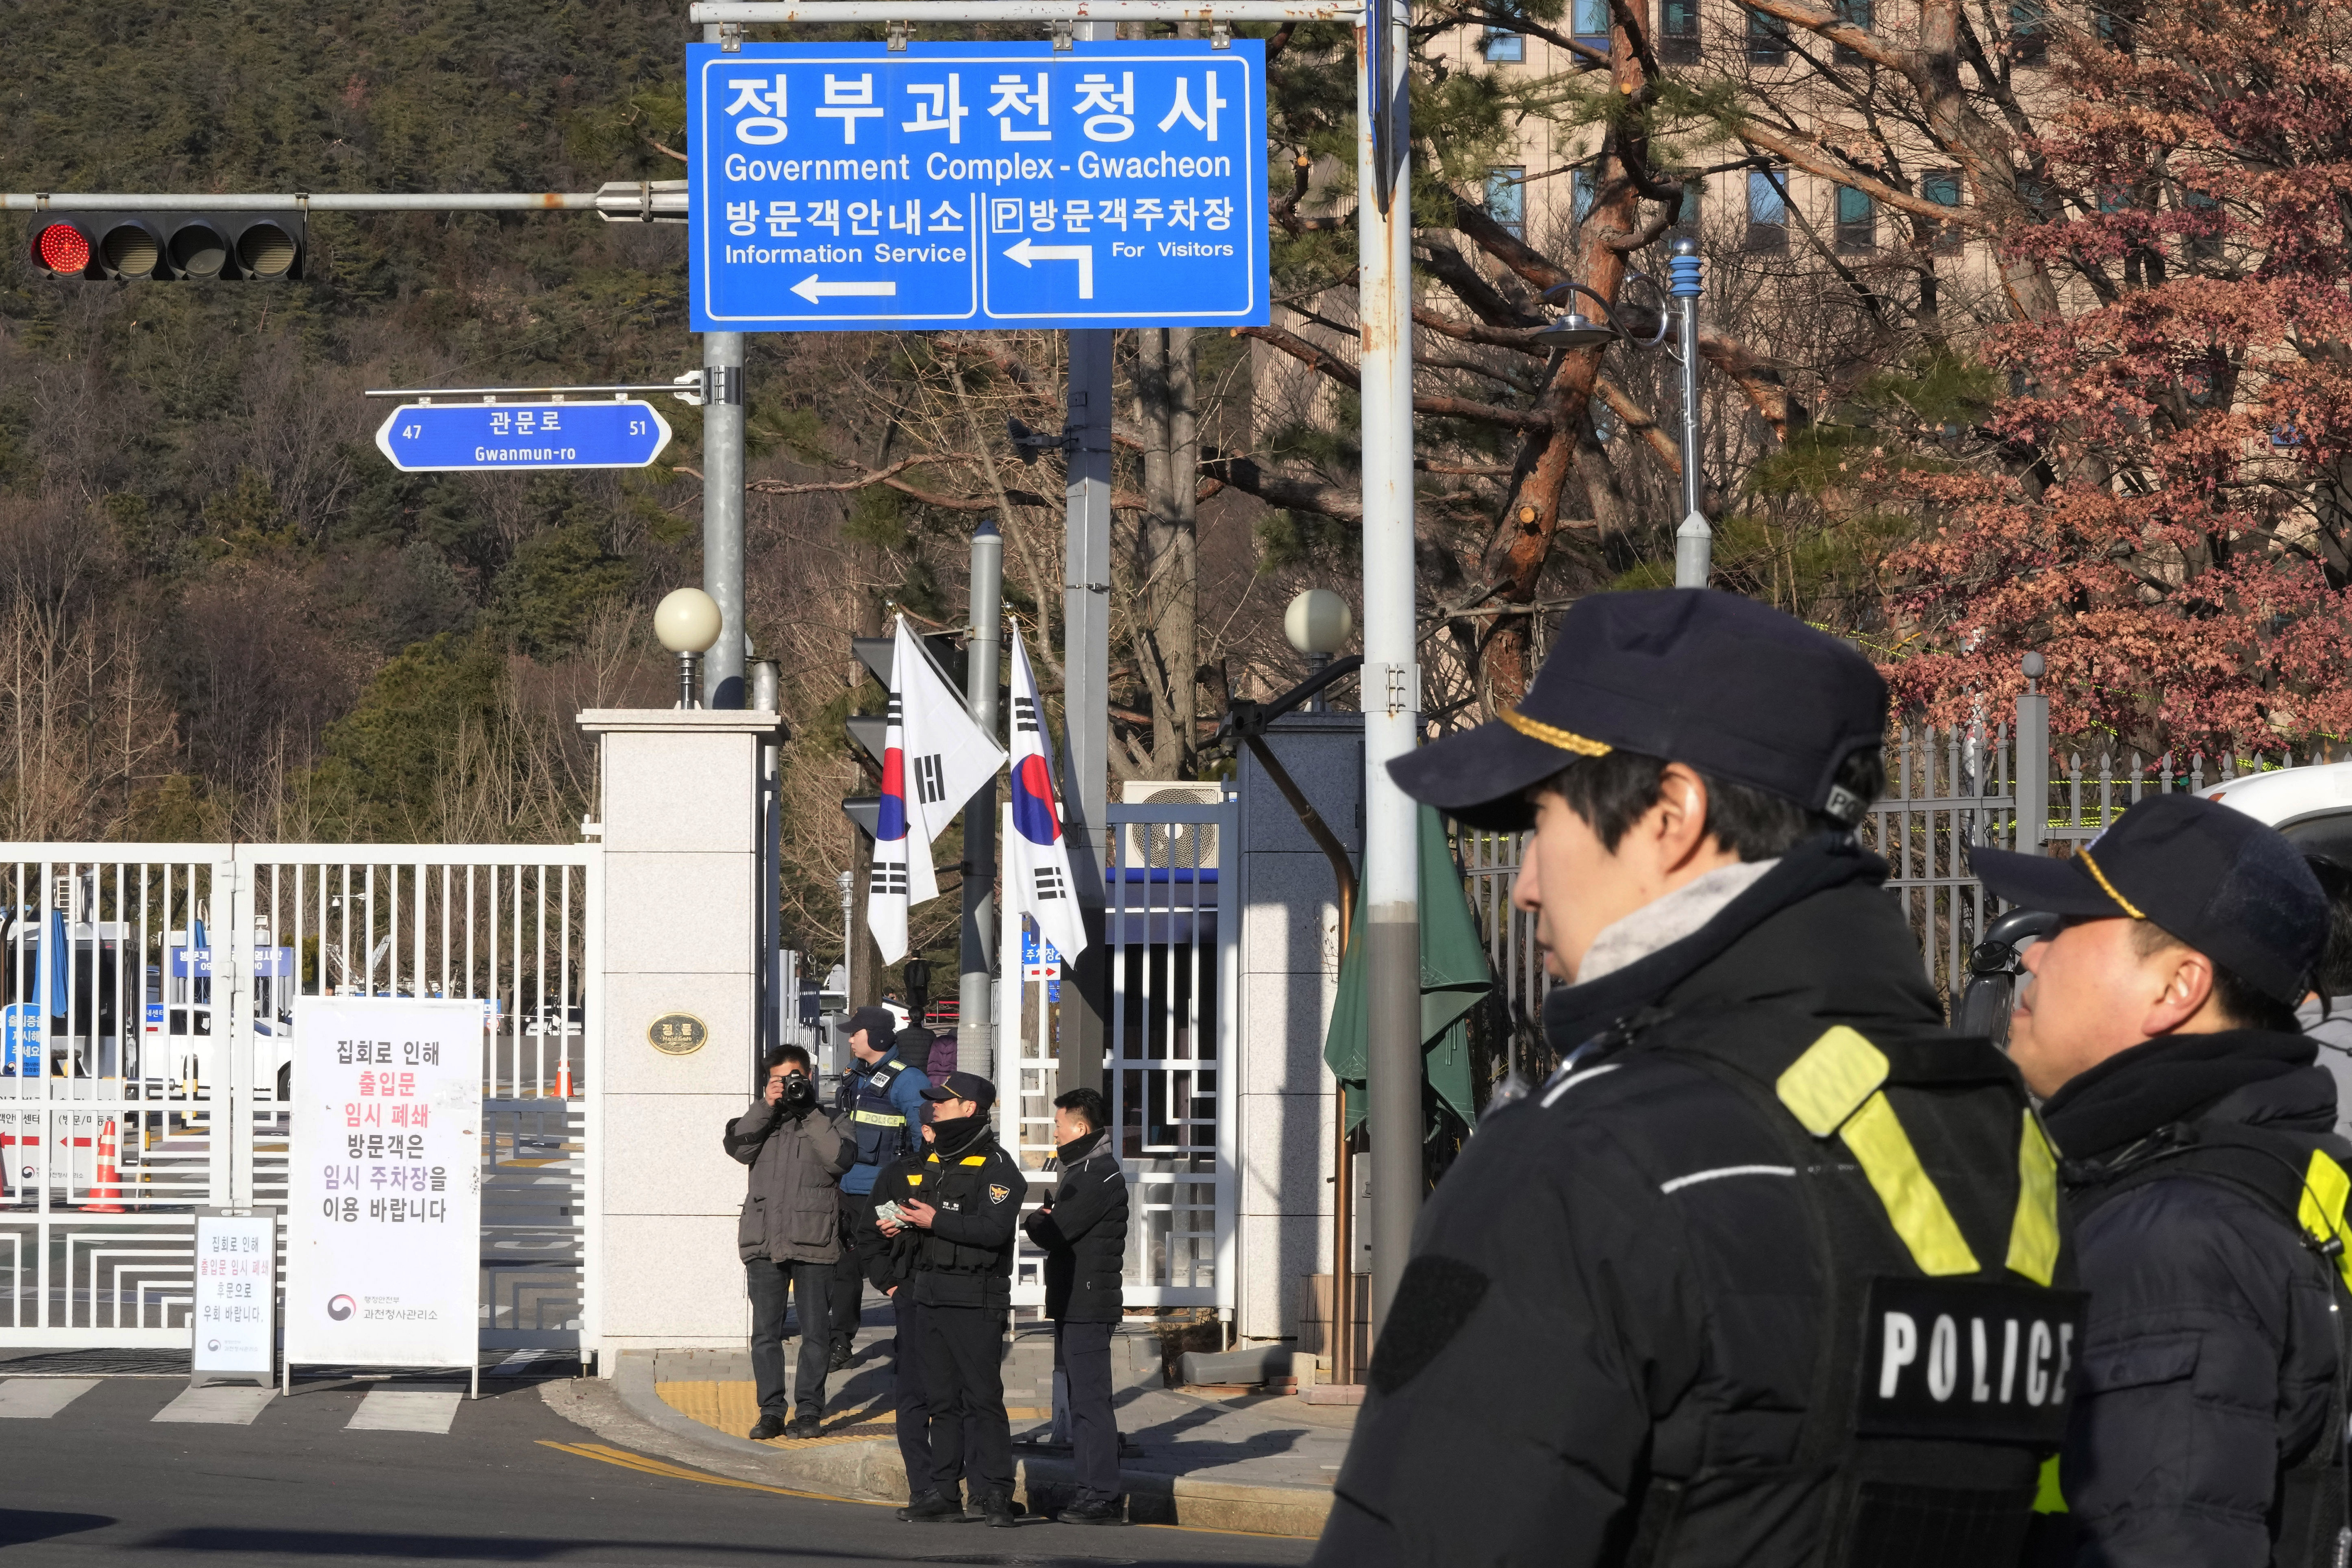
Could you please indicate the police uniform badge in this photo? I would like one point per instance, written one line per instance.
(998, 1192)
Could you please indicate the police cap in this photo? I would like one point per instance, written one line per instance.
(969, 1086)
(2228, 887)
(1727, 685)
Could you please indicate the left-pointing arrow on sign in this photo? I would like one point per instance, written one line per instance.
(812, 291)
(1083, 254)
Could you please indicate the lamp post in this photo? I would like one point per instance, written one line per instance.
(1694, 540)
(687, 623)
(1319, 624)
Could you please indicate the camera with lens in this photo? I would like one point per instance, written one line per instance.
(799, 1094)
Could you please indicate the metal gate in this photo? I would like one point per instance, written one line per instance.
(1168, 1081)
(146, 1067)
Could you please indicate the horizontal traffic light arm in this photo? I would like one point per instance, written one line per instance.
(626, 198)
(771, 11)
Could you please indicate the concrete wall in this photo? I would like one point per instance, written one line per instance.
(1289, 977)
(680, 836)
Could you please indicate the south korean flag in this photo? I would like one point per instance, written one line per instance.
(902, 870)
(1036, 855)
(934, 758)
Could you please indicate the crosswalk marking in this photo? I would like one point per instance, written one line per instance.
(218, 1404)
(38, 1398)
(406, 1410)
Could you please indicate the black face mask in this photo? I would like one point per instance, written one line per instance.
(949, 1134)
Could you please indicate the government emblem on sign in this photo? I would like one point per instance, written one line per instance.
(678, 1034)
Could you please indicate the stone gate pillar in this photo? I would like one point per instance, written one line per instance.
(679, 1035)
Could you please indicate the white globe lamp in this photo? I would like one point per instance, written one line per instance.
(1318, 624)
(687, 623)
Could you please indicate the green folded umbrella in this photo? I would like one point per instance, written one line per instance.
(1453, 978)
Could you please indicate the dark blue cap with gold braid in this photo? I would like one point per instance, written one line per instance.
(2229, 886)
(1727, 685)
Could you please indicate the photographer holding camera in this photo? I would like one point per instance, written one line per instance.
(789, 1234)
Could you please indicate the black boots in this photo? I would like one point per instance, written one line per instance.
(767, 1426)
(932, 1509)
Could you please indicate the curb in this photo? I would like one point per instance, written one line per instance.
(869, 1470)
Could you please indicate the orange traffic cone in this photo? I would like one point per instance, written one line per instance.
(104, 1187)
(564, 1073)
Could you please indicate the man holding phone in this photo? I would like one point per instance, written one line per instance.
(789, 1236)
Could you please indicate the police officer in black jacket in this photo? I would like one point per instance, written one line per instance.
(886, 1251)
(2206, 1182)
(1083, 1233)
(1762, 1274)
(969, 1208)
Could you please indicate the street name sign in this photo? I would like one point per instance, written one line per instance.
(440, 437)
(845, 187)
(383, 1189)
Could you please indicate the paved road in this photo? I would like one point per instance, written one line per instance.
(342, 1475)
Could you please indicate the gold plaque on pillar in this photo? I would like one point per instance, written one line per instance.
(678, 1034)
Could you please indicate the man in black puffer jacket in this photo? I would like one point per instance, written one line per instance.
(967, 1209)
(886, 1252)
(1721, 1292)
(1083, 1233)
(2205, 1184)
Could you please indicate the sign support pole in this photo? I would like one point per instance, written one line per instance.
(723, 504)
(1085, 692)
(1391, 677)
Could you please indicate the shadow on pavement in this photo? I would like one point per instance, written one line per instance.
(489, 1548)
(21, 1526)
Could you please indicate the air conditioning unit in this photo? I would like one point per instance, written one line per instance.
(1163, 846)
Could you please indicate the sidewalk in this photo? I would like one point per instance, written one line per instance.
(1262, 1464)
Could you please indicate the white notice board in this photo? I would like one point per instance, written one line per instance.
(235, 1317)
(384, 1192)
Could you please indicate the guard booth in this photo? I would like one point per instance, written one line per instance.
(1168, 1070)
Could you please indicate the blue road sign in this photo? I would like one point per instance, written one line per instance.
(843, 187)
(439, 437)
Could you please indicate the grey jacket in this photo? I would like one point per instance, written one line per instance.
(792, 1213)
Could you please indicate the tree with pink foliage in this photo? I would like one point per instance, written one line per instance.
(2161, 507)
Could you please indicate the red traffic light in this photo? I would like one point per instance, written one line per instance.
(127, 246)
(61, 248)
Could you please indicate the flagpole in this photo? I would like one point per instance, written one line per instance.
(975, 1025)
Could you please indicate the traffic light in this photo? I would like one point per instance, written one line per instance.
(257, 247)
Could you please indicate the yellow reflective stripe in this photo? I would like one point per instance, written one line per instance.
(1912, 1205)
(2033, 1233)
(973, 1160)
(914, 1178)
(1836, 1075)
(2321, 1214)
(880, 1118)
(2049, 1498)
